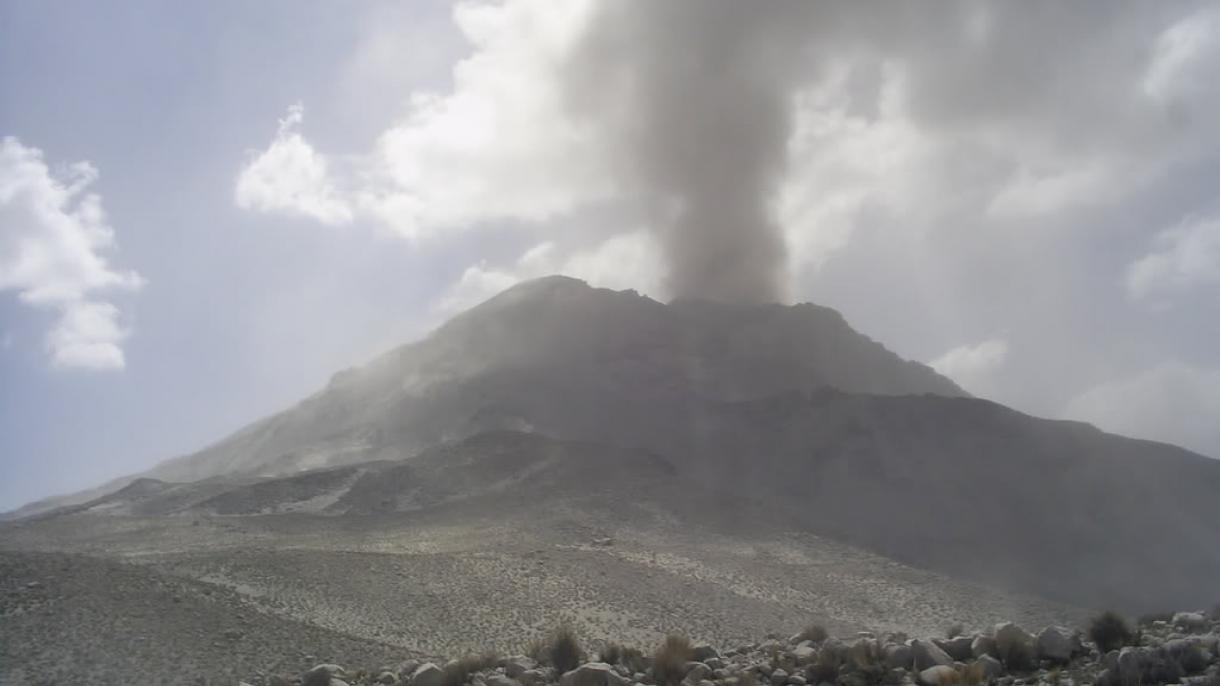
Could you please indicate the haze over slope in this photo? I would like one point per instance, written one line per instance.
(784, 408)
(564, 359)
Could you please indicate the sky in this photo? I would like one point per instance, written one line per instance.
(207, 209)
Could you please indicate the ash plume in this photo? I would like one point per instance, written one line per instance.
(694, 98)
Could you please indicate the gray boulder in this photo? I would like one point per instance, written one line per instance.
(592, 674)
(501, 680)
(779, 677)
(939, 675)
(992, 668)
(1014, 646)
(532, 677)
(1189, 655)
(1190, 621)
(427, 674)
(957, 647)
(322, 675)
(982, 645)
(704, 652)
(517, 665)
(1058, 644)
(387, 678)
(406, 669)
(898, 656)
(927, 654)
(804, 654)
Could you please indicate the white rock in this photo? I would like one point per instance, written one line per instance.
(592, 674)
(427, 674)
(1190, 621)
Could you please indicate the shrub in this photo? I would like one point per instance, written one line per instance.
(565, 652)
(458, 672)
(1016, 653)
(560, 649)
(616, 654)
(669, 662)
(814, 632)
(1110, 632)
(611, 653)
(825, 668)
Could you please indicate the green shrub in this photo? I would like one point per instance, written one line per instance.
(1110, 632)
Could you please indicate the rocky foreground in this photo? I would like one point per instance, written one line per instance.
(1183, 648)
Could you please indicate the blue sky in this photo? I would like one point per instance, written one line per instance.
(1025, 199)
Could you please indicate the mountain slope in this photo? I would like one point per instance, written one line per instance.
(557, 356)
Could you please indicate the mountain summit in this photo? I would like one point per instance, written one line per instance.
(559, 357)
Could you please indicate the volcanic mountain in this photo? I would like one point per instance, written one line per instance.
(557, 416)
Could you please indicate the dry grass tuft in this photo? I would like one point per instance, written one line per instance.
(458, 672)
(815, 633)
(1110, 632)
(669, 662)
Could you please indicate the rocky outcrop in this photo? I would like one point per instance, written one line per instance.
(1182, 651)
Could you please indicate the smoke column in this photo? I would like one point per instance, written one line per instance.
(695, 100)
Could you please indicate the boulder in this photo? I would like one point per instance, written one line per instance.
(517, 665)
(1189, 655)
(1014, 646)
(704, 652)
(927, 654)
(992, 667)
(779, 677)
(501, 680)
(898, 656)
(982, 645)
(592, 674)
(957, 647)
(387, 678)
(804, 654)
(1190, 621)
(321, 675)
(406, 669)
(939, 675)
(427, 674)
(1058, 644)
(532, 677)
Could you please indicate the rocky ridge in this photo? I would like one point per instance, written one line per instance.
(1183, 648)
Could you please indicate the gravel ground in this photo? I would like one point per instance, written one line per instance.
(214, 599)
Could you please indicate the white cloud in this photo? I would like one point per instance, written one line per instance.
(627, 260)
(290, 177)
(973, 366)
(1171, 402)
(52, 238)
(1182, 69)
(1182, 258)
(496, 147)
